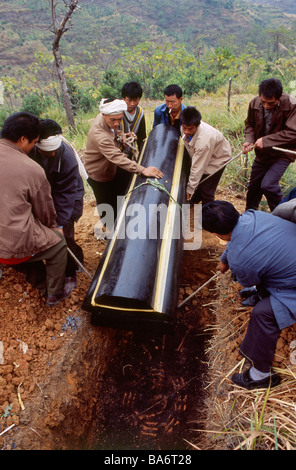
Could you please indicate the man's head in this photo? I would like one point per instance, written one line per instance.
(23, 129)
(112, 111)
(131, 93)
(190, 119)
(173, 98)
(50, 138)
(220, 218)
(270, 91)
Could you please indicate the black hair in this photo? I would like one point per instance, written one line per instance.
(190, 116)
(21, 124)
(109, 100)
(132, 90)
(271, 88)
(171, 90)
(219, 217)
(49, 127)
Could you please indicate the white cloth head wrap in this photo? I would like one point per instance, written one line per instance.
(50, 144)
(113, 107)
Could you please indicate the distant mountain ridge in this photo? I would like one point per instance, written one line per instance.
(25, 25)
(288, 6)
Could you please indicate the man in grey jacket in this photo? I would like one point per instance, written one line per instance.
(28, 232)
(259, 254)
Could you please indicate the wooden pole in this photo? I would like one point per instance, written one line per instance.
(200, 288)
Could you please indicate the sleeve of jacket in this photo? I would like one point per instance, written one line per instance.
(285, 136)
(141, 133)
(200, 159)
(156, 117)
(66, 186)
(41, 200)
(249, 130)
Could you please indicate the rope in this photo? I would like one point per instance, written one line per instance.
(157, 185)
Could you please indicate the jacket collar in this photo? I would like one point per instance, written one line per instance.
(11, 144)
(283, 105)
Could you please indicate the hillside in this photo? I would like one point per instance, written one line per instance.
(25, 26)
(287, 6)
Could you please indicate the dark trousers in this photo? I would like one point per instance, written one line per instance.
(205, 192)
(107, 192)
(264, 180)
(48, 277)
(259, 343)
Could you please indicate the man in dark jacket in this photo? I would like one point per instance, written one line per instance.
(271, 122)
(62, 171)
(169, 112)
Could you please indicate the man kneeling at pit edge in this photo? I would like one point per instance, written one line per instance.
(256, 255)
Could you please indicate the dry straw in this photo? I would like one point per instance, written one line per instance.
(238, 419)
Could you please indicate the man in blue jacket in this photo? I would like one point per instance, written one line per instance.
(169, 112)
(67, 189)
(257, 255)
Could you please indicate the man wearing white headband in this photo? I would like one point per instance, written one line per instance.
(51, 144)
(62, 170)
(28, 234)
(107, 166)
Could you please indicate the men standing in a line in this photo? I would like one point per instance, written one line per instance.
(28, 230)
(208, 150)
(62, 170)
(169, 112)
(271, 122)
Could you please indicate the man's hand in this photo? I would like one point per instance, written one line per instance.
(152, 171)
(247, 147)
(223, 267)
(131, 134)
(259, 144)
(188, 196)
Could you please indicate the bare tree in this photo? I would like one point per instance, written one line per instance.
(58, 29)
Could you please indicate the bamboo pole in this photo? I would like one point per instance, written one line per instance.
(200, 288)
(223, 166)
(78, 262)
(284, 150)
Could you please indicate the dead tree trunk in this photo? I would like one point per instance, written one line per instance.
(59, 30)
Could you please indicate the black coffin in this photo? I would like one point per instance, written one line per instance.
(138, 277)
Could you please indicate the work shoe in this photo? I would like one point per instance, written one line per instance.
(244, 380)
(251, 301)
(247, 292)
(54, 299)
(70, 284)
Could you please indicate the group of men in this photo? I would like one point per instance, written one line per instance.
(42, 198)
